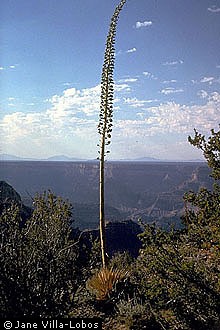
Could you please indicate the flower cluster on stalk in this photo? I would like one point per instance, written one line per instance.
(107, 86)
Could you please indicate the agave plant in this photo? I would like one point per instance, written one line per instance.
(106, 113)
(103, 282)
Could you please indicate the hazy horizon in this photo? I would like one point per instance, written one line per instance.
(64, 158)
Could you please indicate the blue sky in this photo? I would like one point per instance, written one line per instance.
(167, 76)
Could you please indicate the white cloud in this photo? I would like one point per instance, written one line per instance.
(8, 67)
(69, 122)
(202, 94)
(129, 51)
(35, 134)
(146, 73)
(139, 25)
(218, 66)
(169, 81)
(66, 84)
(173, 63)
(172, 118)
(215, 97)
(135, 103)
(74, 101)
(214, 9)
(171, 90)
(132, 50)
(149, 75)
(127, 80)
(209, 80)
(69, 125)
(122, 88)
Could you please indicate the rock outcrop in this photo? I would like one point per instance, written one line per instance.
(9, 195)
(120, 237)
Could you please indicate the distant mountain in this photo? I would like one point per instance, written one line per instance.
(7, 157)
(198, 160)
(151, 159)
(140, 159)
(62, 158)
(147, 159)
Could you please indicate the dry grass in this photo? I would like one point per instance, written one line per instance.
(103, 282)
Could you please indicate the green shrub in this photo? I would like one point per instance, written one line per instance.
(179, 270)
(38, 260)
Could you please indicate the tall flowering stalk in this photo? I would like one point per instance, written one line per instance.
(105, 117)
